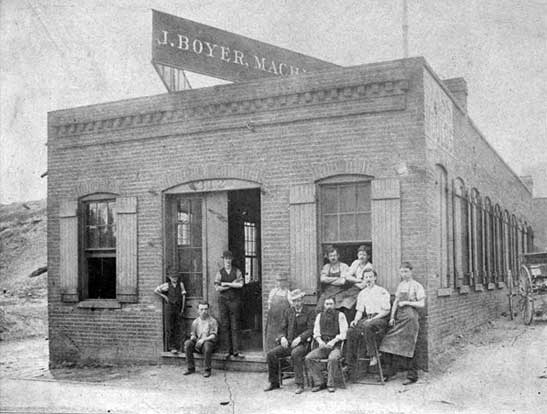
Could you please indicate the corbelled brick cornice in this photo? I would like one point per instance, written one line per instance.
(361, 91)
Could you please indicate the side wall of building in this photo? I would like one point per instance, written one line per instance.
(457, 303)
(281, 133)
(539, 223)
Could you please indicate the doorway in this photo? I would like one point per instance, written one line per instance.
(199, 227)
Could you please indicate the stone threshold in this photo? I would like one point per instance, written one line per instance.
(254, 361)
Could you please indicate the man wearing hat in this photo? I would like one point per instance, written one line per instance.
(174, 294)
(228, 284)
(297, 330)
(278, 303)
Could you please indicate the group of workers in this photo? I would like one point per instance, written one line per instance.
(352, 310)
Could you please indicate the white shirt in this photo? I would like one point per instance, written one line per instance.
(373, 299)
(357, 269)
(342, 323)
(410, 291)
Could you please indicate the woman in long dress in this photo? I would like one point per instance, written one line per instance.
(400, 339)
(278, 301)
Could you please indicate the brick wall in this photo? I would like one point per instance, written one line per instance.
(366, 114)
(472, 159)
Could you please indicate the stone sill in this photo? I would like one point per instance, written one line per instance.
(464, 290)
(100, 304)
(444, 292)
(491, 286)
(479, 288)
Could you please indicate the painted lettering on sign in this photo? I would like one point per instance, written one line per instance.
(187, 45)
(439, 116)
(207, 185)
(225, 54)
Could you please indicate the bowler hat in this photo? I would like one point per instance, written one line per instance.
(227, 254)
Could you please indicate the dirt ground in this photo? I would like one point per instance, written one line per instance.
(499, 368)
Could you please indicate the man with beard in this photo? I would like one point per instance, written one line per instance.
(297, 329)
(329, 332)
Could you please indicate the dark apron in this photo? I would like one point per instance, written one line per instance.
(344, 297)
(275, 320)
(401, 338)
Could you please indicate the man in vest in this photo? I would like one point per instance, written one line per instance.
(329, 332)
(228, 284)
(297, 329)
(174, 294)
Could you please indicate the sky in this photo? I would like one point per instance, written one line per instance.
(59, 54)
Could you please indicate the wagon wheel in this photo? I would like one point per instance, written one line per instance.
(525, 292)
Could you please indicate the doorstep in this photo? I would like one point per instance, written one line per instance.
(253, 362)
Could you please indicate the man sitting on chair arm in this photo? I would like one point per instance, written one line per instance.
(373, 302)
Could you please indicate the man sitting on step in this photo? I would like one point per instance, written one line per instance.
(203, 338)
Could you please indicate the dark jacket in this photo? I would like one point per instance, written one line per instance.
(293, 327)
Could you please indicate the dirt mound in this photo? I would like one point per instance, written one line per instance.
(23, 299)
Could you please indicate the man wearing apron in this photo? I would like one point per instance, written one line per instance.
(333, 283)
(400, 339)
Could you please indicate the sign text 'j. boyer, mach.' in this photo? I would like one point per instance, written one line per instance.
(184, 44)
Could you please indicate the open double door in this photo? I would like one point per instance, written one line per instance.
(199, 227)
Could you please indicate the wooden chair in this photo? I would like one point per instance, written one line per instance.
(362, 357)
(286, 370)
(341, 362)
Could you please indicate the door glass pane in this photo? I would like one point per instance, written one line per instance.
(347, 227)
(329, 200)
(348, 198)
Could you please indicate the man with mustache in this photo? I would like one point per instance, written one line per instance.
(329, 332)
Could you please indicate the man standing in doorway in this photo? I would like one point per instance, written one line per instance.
(228, 284)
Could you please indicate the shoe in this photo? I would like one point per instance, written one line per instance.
(239, 355)
(299, 390)
(189, 371)
(271, 387)
(207, 373)
(386, 379)
(318, 388)
(331, 389)
(373, 361)
(409, 381)
(228, 355)
(174, 351)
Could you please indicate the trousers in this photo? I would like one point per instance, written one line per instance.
(297, 355)
(315, 367)
(371, 331)
(206, 349)
(173, 326)
(230, 312)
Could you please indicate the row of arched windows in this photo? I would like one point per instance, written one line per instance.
(480, 241)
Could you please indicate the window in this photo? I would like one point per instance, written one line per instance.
(477, 219)
(462, 268)
(189, 243)
(251, 259)
(488, 239)
(442, 193)
(346, 217)
(99, 246)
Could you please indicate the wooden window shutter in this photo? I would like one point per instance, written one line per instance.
(68, 249)
(386, 231)
(303, 239)
(126, 249)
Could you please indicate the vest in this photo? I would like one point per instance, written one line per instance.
(329, 325)
(232, 294)
(174, 294)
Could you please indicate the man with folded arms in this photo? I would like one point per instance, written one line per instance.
(297, 329)
(373, 306)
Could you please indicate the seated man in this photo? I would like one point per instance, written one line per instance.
(203, 339)
(373, 303)
(297, 329)
(329, 332)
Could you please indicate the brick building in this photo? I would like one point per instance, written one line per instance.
(381, 154)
